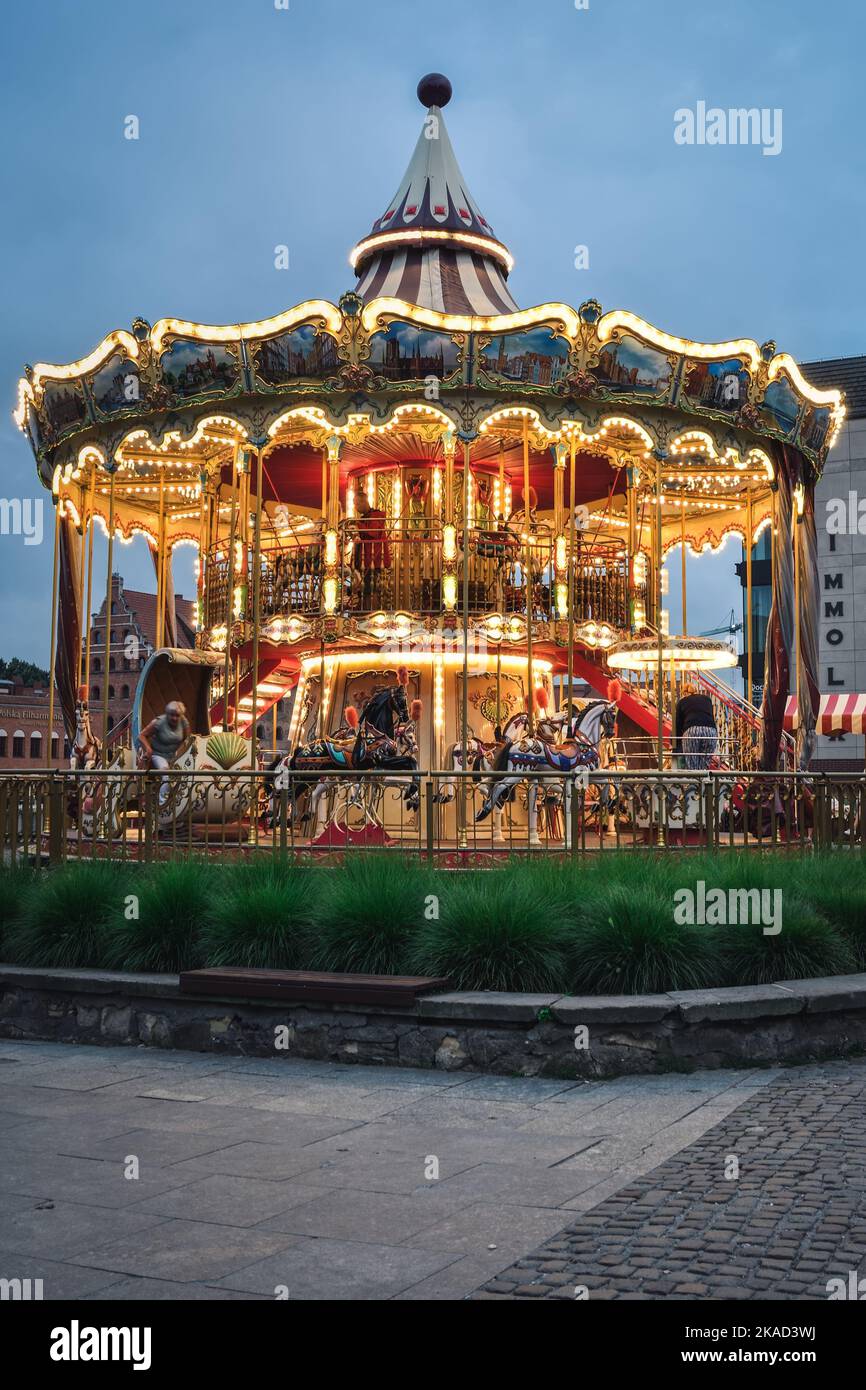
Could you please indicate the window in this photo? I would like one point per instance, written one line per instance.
(36, 745)
(111, 665)
(94, 692)
(96, 665)
(125, 692)
(111, 692)
(2, 743)
(18, 744)
(279, 732)
(110, 723)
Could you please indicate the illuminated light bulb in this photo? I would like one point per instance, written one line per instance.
(560, 553)
(330, 547)
(449, 543)
(449, 592)
(329, 590)
(562, 600)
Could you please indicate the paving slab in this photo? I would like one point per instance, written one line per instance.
(341, 1270)
(185, 1251)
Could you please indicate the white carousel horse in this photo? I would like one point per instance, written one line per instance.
(86, 748)
(480, 758)
(567, 761)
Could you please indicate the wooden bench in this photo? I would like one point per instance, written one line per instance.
(312, 986)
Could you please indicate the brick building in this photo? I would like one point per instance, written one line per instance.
(24, 727)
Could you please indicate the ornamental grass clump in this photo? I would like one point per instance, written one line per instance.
(628, 942)
(836, 889)
(64, 916)
(261, 916)
(367, 914)
(805, 946)
(15, 884)
(159, 928)
(495, 931)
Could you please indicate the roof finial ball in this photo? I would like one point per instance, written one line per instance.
(434, 90)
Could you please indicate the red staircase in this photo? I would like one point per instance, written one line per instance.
(275, 680)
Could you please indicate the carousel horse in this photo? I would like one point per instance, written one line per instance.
(380, 738)
(541, 752)
(86, 747)
(481, 757)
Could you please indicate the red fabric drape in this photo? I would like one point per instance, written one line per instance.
(780, 627)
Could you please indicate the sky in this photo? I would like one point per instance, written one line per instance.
(266, 123)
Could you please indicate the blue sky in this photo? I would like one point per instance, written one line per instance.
(261, 127)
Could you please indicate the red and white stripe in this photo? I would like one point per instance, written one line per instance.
(837, 714)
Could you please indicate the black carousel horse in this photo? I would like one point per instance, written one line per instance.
(379, 739)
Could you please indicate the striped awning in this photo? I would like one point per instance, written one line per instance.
(837, 714)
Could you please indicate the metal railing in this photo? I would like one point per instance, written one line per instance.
(402, 568)
(57, 816)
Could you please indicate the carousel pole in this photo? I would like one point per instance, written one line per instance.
(325, 473)
(87, 614)
(257, 603)
(501, 512)
(52, 674)
(108, 589)
(571, 542)
(230, 564)
(530, 693)
(257, 615)
(160, 564)
(683, 548)
(464, 713)
(660, 667)
(203, 543)
(750, 696)
(82, 555)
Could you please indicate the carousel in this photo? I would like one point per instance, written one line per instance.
(433, 517)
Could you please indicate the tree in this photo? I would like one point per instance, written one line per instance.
(23, 672)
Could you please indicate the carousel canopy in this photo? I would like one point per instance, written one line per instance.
(432, 245)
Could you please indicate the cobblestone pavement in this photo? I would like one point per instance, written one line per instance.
(793, 1219)
(319, 1180)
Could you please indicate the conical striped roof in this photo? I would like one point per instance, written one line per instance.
(432, 246)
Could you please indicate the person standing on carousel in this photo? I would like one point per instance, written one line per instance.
(697, 737)
(372, 551)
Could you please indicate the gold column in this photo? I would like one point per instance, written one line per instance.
(750, 696)
(257, 610)
(160, 564)
(530, 693)
(464, 713)
(230, 565)
(683, 547)
(82, 560)
(660, 670)
(52, 675)
(571, 547)
(87, 614)
(109, 566)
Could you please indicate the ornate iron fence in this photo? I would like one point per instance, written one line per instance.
(450, 817)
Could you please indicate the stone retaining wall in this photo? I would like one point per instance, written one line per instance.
(508, 1034)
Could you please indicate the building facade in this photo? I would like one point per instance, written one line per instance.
(24, 728)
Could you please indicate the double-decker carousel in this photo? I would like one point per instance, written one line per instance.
(434, 517)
